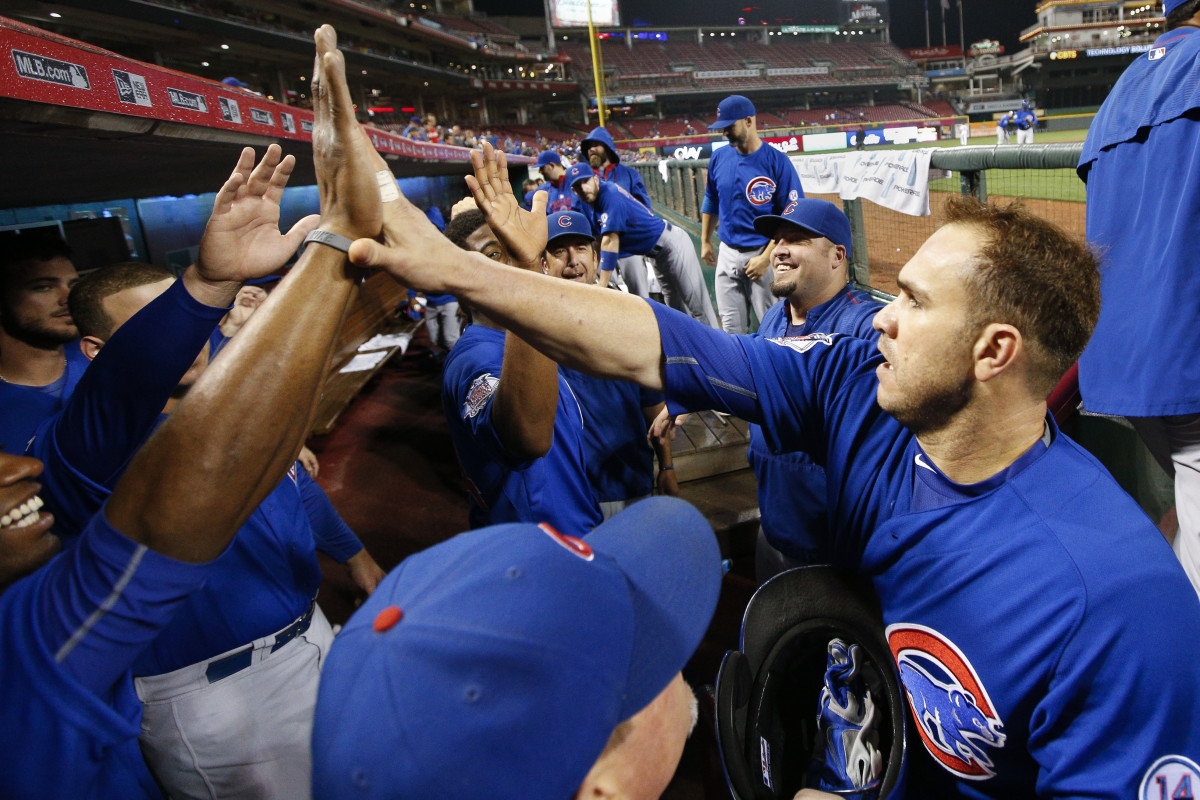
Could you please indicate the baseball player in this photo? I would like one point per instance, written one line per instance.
(1026, 121)
(515, 662)
(73, 627)
(40, 360)
(810, 254)
(1002, 127)
(618, 459)
(561, 197)
(629, 228)
(745, 181)
(1143, 197)
(516, 425)
(1011, 568)
(244, 652)
(599, 152)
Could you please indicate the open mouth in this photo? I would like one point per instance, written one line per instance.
(23, 515)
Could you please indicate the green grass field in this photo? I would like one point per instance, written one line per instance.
(1043, 184)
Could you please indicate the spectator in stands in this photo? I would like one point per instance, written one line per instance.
(73, 627)
(433, 132)
(1143, 203)
(516, 426)
(628, 228)
(415, 130)
(745, 181)
(1026, 123)
(40, 360)
(619, 460)
(144, 330)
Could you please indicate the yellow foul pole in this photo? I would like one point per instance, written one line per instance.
(597, 70)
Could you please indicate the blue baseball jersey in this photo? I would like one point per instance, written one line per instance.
(1035, 658)
(618, 212)
(563, 198)
(552, 488)
(26, 406)
(618, 458)
(742, 187)
(1026, 119)
(1143, 214)
(71, 630)
(792, 496)
(628, 179)
(269, 574)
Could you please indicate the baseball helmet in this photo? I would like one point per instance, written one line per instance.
(769, 693)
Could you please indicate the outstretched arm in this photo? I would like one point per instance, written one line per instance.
(205, 470)
(526, 401)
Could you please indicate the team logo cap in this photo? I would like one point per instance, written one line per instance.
(732, 109)
(577, 172)
(498, 663)
(812, 214)
(568, 223)
(549, 157)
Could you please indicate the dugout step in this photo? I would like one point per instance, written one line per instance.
(709, 444)
(729, 502)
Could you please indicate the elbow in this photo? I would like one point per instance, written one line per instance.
(532, 445)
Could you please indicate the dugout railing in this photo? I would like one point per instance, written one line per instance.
(1040, 175)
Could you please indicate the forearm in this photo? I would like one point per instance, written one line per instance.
(610, 250)
(560, 318)
(242, 424)
(661, 446)
(526, 400)
(708, 222)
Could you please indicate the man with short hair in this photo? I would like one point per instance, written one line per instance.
(628, 228)
(746, 180)
(519, 663)
(810, 254)
(72, 627)
(516, 425)
(1139, 165)
(40, 363)
(243, 652)
(617, 456)
(1009, 565)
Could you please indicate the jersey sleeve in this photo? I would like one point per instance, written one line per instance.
(787, 181)
(1117, 720)
(637, 188)
(611, 216)
(472, 397)
(333, 536)
(102, 602)
(117, 403)
(712, 200)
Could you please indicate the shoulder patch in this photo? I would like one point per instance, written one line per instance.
(1170, 777)
(1157, 53)
(802, 344)
(482, 389)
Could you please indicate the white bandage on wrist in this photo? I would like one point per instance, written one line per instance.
(387, 186)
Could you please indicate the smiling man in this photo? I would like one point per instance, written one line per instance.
(1017, 581)
(39, 360)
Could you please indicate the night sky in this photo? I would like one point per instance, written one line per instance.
(985, 19)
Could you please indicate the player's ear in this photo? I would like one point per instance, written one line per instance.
(997, 348)
(90, 345)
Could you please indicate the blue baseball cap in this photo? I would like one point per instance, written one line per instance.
(813, 215)
(579, 171)
(732, 109)
(497, 663)
(235, 83)
(568, 223)
(1171, 5)
(549, 157)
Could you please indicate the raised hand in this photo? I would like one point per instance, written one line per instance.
(523, 233)
(345, 160)
(242, 238)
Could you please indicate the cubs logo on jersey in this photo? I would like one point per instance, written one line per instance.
(760, 190)
(802, 344)
(955, 716)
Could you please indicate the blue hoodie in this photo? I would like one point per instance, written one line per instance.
(627, 178)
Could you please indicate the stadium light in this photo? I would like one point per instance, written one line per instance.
(224, 47)
(55, 15)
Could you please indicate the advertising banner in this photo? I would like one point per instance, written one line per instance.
(574, 13)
